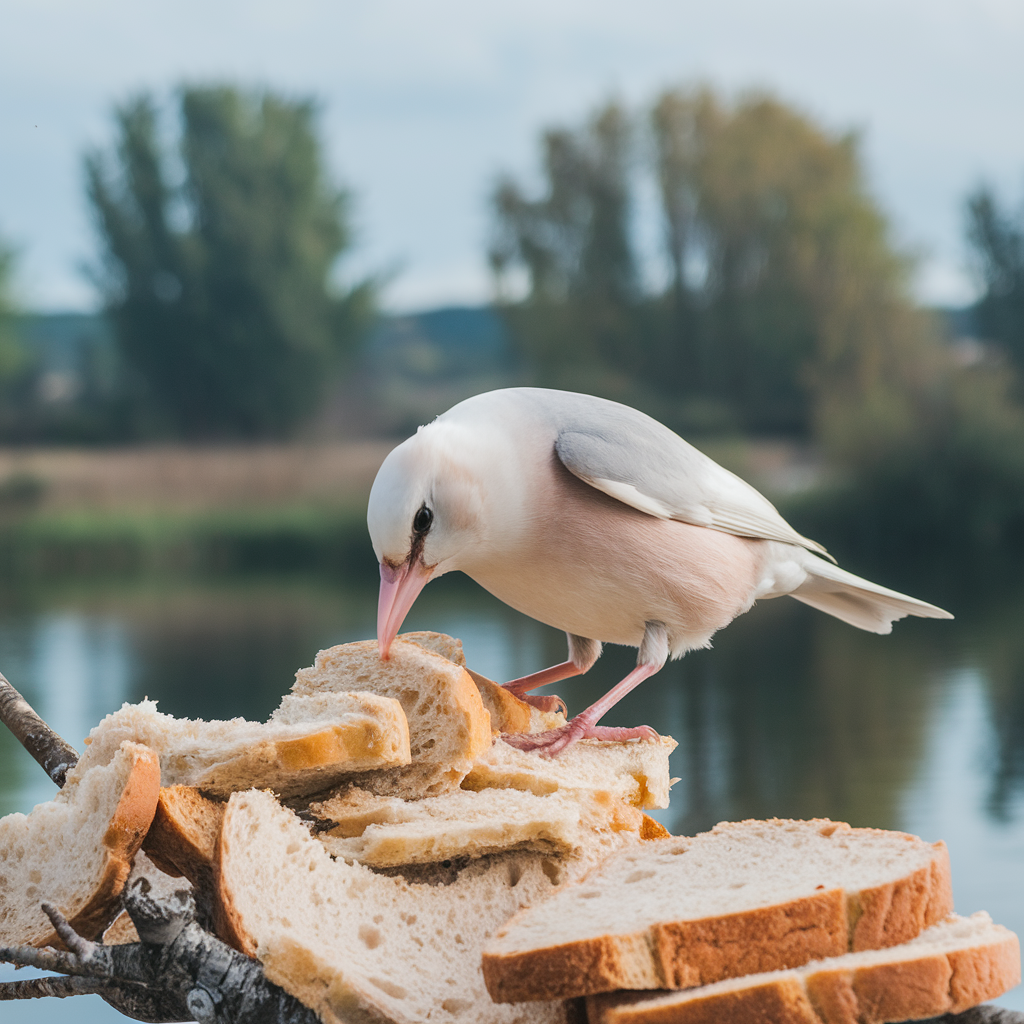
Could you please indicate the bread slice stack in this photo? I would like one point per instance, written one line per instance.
(865, 917)
(389, 858)
(948, 968)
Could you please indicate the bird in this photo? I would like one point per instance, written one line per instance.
(595, 518)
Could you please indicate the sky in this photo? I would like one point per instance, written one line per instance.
(425, 103)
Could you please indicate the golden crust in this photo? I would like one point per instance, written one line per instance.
(182, 840)
(778, 1002)
(690, 953)
(928, 986)
(357, 666)
(508, 713)
(227, 922)
(127, 829)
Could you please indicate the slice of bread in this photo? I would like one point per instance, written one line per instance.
(448, 725)
(947, 969)
(745, 897)
(389, 832)
(76, 850)
(635, 771)
(183, 837)
(311, 745)
(355, 945)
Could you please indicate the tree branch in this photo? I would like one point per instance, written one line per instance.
(55, 756)
(41, 988)
(177, 972)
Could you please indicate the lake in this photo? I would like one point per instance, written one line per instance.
(792, 714)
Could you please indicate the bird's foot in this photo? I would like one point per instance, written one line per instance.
(548, 702)
(553, 741)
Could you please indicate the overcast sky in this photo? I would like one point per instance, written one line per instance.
(425, 101)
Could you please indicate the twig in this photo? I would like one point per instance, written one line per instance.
(55, 756)
(41, 988)
(177, 972)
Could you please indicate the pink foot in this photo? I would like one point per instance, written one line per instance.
(544, 703)
(554, 741)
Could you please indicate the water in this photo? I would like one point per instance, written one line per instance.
(792, 714)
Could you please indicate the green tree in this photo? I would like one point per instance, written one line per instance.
(784, 295)
(574, 243)
(217, 276)
(998, 243)
(11, 355)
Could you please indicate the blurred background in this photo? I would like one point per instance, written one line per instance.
(246, 248)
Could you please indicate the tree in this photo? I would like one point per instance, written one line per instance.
(783, 291)
(218, 278)
(11, 356)
(575, 246)
(998, 243)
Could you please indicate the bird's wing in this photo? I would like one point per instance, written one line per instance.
(637, 460)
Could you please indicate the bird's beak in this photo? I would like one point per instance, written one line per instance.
(399, 588)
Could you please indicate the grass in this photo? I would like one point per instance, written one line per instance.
(185, 510)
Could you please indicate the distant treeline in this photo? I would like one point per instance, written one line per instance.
(717, 262)
(773, 301)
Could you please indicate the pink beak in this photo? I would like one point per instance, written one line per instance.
(399, 588)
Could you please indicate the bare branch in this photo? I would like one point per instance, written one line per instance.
(41, 988)
(44, 959)
(82, 948)
(55, 756)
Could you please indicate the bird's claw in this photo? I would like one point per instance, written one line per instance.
(553, 741)
(547, 703)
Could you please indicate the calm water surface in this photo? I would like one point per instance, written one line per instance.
(792, 714)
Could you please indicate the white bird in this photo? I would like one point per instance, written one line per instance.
(596, 519)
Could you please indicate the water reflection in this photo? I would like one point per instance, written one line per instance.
(792, 714)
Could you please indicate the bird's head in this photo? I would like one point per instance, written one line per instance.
(423, 516)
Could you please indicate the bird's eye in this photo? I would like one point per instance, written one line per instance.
(422, 520)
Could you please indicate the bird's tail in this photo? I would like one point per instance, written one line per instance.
(857, 601)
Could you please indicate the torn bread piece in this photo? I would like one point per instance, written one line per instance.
(183, 837)
(310, 746)
(356, 945)
(76, 850)
(634, 771)
(508, 713)
(448, 724)
(948, 968)
(745, 897)
(389, 831)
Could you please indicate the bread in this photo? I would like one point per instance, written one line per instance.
(76, 850)
(947, 969)
(448, 725)
(635, 771)
(183, 837)
(358, 946)
(388, 831)
(309, 746)
(745, 897)
(507, 712)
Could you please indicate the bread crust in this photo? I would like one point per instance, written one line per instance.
(127, 829)
(182, 840)
(891, 914)
(508, 713)
(464, 729)
(906, 989)
(683, 954)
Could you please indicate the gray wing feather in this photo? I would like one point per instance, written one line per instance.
(637, 460)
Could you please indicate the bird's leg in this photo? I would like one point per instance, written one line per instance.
(582, 655)
(651, 658)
